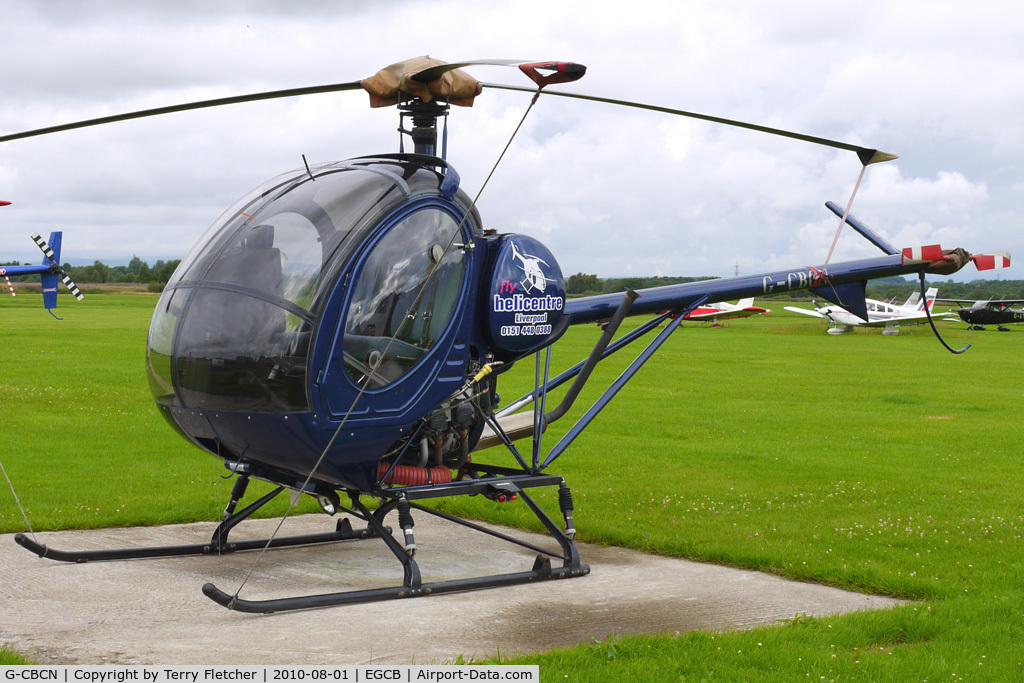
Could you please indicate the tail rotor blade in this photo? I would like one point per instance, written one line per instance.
(72, 287)
(44, 247)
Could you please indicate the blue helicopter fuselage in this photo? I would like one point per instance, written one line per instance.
(330, 314)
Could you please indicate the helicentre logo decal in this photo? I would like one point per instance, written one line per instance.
(531, 317)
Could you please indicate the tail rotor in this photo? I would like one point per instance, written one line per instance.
(55, 268)
(51, 261)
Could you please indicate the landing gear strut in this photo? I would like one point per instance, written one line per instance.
(412, 585)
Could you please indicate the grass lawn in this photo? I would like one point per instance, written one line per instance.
(9, 657)
(880, 464)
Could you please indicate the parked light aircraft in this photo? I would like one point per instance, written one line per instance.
(744, 308)
(880, 314)
(988, 312)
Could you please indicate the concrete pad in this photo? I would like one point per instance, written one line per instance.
(152, 611)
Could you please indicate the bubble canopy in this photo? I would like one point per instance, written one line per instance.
(234, 327)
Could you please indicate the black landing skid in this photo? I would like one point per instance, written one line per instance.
(493, 482)
(219, 543)
(508, 484)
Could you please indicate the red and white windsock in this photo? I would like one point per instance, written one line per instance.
(8, 281)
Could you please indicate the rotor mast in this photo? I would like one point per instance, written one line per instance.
(424, 117)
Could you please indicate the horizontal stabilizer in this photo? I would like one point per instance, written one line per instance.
(804, 311)
(851, 296)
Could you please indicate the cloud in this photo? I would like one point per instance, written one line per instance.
(610, 190)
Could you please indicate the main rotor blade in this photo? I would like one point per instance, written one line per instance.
(238, 99)
(865, 154)
(435, 72)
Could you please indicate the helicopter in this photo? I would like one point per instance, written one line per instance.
(340, 332)
(49, 271)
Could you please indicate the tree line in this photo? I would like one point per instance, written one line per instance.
(974, 290)
(137, 270)
(582, 284)
(899, 288)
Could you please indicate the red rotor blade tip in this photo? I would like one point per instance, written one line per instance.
(559, 72)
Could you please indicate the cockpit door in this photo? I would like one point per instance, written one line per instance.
(401, 336)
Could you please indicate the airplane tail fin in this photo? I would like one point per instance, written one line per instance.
(745, 303)
(914, 301)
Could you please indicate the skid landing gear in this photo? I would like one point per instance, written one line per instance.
(494, 483)
(219, 543)
(412, 585)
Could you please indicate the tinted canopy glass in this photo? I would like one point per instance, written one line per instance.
(233, 329)
(404, 297)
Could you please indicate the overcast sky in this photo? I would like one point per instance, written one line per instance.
(611, 191)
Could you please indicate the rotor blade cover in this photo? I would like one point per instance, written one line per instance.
(396, 83)
(952, 261)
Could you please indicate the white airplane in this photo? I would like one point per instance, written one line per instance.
(880, 314)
